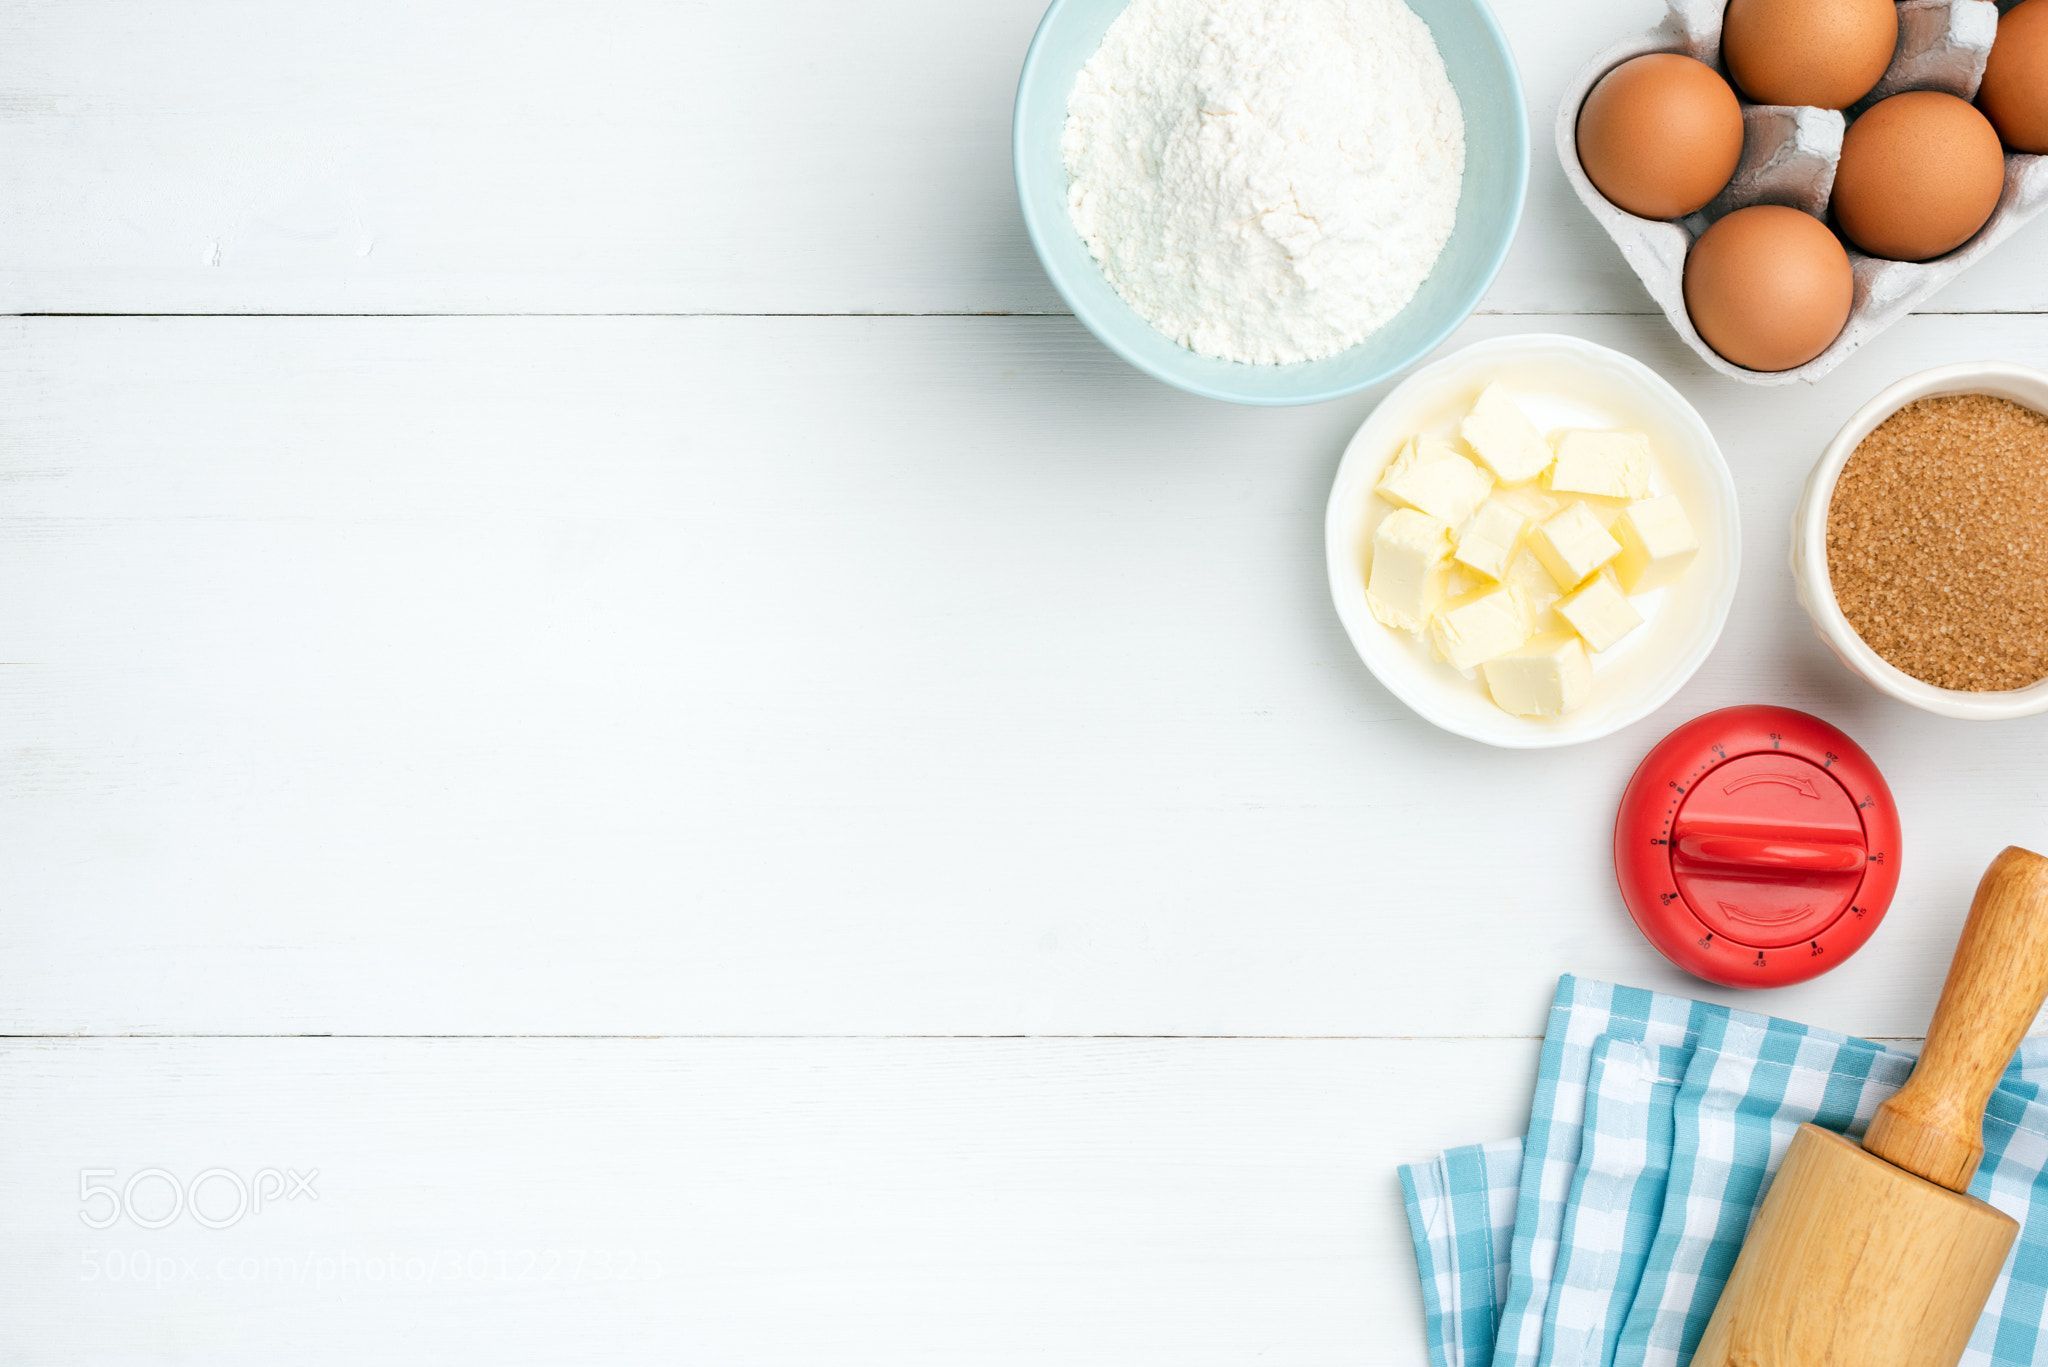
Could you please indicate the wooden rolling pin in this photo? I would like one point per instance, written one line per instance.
(1872, 1256)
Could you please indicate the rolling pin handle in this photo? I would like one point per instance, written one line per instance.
(1934, 1126)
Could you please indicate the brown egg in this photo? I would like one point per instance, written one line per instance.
(1660, 135)
(1828, 53)
(1920, 173)
(2015, 91)
(1768, 287)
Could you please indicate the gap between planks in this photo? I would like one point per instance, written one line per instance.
(819, 1038)
(884, 313)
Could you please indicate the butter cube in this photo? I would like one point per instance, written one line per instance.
(1430, 477)
(1599, 612)
(1482, 627)
(1656, 543)
(1529, 500)
(1547, 677)
(1410, 558)
(1489, 538)
(1539, 591)
(1603, 464)
(1463, 581)
(1573, 545)
(1500, 433)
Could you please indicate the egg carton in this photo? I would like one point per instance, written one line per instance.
(1789, 156)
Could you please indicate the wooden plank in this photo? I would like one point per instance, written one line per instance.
(635, 156)
(747, 1203)
(789, 676)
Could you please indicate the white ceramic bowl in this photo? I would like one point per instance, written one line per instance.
(1810, 542)
(1564, 382)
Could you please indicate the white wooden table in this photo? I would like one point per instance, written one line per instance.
(588, 654)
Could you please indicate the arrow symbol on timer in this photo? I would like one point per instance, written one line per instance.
(1794, 781)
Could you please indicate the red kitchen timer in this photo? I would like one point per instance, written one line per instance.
(1757, 847)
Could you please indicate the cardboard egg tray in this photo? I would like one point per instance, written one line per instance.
(1789, 155)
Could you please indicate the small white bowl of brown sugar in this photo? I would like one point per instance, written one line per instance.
(1921, 546)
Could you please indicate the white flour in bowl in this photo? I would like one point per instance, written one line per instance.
(1265, 180)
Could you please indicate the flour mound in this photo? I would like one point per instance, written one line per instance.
(1265, 181)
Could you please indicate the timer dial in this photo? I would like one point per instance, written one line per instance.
(1757, 847)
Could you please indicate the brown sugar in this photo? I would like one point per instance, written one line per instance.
(1938, 542)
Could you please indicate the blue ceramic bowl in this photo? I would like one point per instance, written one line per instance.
(1496, 174)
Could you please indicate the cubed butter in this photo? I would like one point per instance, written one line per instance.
(1546, 677)
(1529, 500)
(1656, 542)
(1605, 509)
(1539, 591)
(1463, 581)
(1481, 627)
(1501, 435)
(1599, 612)
(1410, 559)
(1573, 545)
(1431, 477)
(1489, 537)
(1603, 464)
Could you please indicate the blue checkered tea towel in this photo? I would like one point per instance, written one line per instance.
(1746, 1092)
(1638, 1092)
(1583, 1014)
(1461, 1214)
(1616, 1200)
